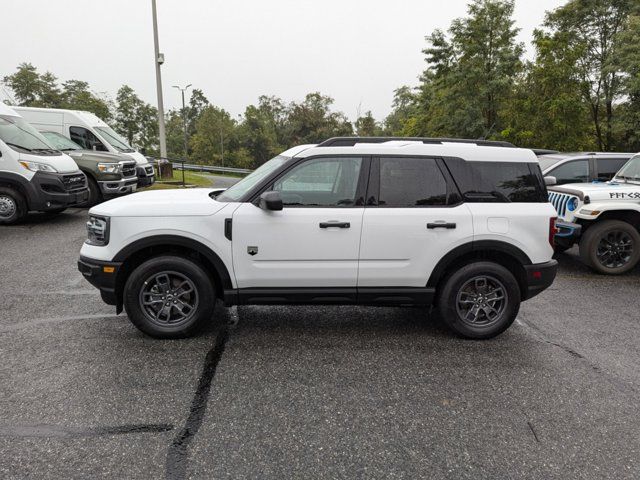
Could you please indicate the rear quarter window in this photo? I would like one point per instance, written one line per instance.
(498, 181)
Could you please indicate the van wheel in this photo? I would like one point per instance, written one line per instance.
(480, 300)
(169, 297)
(611, 247)
(12, 206)
(95, 195)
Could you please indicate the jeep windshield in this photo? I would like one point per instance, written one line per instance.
(19, 135)
(630, 171)
(234, 193)
(115, 140)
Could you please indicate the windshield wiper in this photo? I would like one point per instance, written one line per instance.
(19, 146)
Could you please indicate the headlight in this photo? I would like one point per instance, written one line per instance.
(110, 167)
(98, 231)
(37, 167)
(572, 204)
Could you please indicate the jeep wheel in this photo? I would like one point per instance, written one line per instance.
(611, 247)
(480, 300)
(169, 297)
(12, 206)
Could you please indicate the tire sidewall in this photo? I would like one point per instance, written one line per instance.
(202, 282)
(589, 247)
(447, 299)
(21, 206)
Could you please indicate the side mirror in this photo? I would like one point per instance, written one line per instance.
(270, 201)
(550, 181)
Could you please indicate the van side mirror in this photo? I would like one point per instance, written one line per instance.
(270, 201)
(550, 181)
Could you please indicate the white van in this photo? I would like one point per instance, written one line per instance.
(34, 176)
(88, 131)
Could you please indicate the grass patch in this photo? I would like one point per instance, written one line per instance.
(190, 178)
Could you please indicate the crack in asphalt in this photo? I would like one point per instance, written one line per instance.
(535, 435)
(75, 432)
(178, 452)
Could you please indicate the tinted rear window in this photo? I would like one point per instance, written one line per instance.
(411, 182)
(498, 181)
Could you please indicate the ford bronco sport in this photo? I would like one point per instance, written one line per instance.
(463, 225)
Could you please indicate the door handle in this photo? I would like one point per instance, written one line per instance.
(335, 225)
(448, 226)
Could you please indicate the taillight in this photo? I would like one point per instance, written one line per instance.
(552, 231)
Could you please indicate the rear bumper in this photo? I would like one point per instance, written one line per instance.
(103, 276)
(540, 276)
(568, 234)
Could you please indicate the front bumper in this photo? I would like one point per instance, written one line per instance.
(146, 175)
(119, 187)
(539, 277)
(103, 276)
(568, 234)
(51, 191)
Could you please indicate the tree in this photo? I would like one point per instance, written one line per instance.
(404, 108)
(312, 121)
(261, 130)
(76, 95)
(366, 126)
(215, 140)
(592, 27)
(136, 120)
(471, 71)
(32, 89)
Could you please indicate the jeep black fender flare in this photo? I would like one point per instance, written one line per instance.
(473, 249)
(182, 242)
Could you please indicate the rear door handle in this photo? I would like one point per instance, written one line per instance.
(448, 226)
(335, 225)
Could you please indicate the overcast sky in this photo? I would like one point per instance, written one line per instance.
(358, 52)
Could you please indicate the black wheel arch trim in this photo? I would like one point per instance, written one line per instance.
(20, 183)
(177, 241)
(494, 246)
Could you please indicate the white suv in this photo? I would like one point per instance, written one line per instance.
(462, 225)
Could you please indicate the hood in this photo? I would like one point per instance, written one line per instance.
(598, 190)
(161, 203)
(138, 157)
(62, 163)
(99, 156)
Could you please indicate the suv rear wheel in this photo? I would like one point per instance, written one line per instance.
(611, 247)
(480, 300)
(169, 297)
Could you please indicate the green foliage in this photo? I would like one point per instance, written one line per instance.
(136, 120)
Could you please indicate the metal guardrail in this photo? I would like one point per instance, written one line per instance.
(208, 168)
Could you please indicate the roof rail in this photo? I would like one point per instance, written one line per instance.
(543, 151)
(351, 141)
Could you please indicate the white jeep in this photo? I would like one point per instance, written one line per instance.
(603, 218)
(462, 225)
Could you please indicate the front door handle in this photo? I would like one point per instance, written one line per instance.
(448, 226)
(335, 225)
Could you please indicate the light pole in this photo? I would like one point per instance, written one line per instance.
(159, 60)
(184, 117)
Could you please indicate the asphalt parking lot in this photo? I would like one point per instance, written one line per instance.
(325, 392)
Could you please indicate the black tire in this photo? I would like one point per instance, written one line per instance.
(154, 319)
(13, 206)
(456, 300)
(95, 195)
(611, 247)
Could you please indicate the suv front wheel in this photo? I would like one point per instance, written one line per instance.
(611, 247)
(480, 300)
(169, 297)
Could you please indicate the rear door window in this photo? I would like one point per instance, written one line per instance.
(608, 167)
(411, 182)
(498, 181)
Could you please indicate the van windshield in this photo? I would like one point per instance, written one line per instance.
(19, 135)
(115, 140)
(60, 142)
(630, 171)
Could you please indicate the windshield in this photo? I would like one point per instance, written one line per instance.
(546, 162)
(115, 140)
(233, 194)
(631, 170)
(18, 134)
(60, 142)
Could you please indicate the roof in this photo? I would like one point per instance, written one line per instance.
(7, 110)
(467, 151)
(574, 155)
(84, 116)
